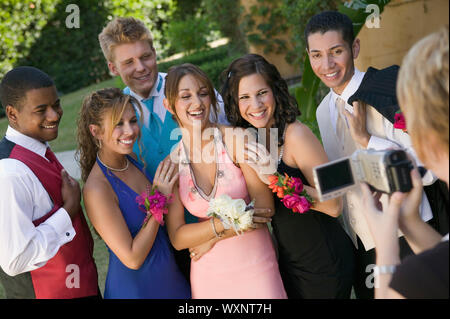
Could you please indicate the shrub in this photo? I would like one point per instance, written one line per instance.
(71, 56)
(21, 23)
(188, 35)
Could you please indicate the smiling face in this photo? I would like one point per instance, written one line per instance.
(119, 138)
(39, 115)
(193, 102)
(331, 59)
(135, 63)
(256, 101)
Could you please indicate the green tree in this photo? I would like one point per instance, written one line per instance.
(35, 33)
(188, 35)
(71, 56)
(21, 23)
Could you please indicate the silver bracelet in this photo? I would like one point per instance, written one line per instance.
(383, 270)
(218, 235)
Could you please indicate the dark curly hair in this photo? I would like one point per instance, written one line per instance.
(286, 108)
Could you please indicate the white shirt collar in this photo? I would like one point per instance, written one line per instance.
(351, 87)
(26, 141)
(154, 91)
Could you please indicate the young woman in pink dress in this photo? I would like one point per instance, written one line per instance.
(224, 265)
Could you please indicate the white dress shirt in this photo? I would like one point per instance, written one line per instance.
(23, 199)
(160, 110)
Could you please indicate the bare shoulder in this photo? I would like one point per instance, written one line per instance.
(97, 186)
(303, 149)
(296, 132)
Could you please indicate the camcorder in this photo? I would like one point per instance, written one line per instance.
(386, 171)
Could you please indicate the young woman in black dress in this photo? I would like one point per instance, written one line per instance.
(316, 256)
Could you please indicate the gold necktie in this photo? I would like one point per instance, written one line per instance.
(342, 131)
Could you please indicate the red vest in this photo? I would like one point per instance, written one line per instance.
(59, 277)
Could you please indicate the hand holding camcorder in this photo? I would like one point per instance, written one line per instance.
(386, 171)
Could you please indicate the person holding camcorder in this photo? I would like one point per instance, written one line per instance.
(357, 114)
(423, 94)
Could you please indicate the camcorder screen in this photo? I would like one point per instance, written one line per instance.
(335, 176)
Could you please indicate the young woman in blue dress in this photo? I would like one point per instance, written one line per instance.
(141, 261)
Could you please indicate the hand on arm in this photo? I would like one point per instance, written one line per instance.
(261, 217)
(260, 160)
(198, 251)
(258, 191)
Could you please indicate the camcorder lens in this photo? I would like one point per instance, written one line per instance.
(399, 172)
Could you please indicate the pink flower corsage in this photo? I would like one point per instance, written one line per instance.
(291, 192)
(399, 121)
(153, 203)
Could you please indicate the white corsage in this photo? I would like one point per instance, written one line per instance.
(232, 212)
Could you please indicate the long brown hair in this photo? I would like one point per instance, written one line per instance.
(93, 109)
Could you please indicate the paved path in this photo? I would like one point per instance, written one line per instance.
(67, 160)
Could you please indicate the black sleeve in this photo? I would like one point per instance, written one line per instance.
(424, 276)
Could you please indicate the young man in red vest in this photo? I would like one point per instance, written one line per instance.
(45, 244)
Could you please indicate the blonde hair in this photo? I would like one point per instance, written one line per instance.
(173, 78)
(93, 110)
(122, 30)
(423, 90)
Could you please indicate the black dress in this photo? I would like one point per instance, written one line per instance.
(316, 257)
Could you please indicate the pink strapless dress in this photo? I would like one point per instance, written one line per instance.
(239, 267)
